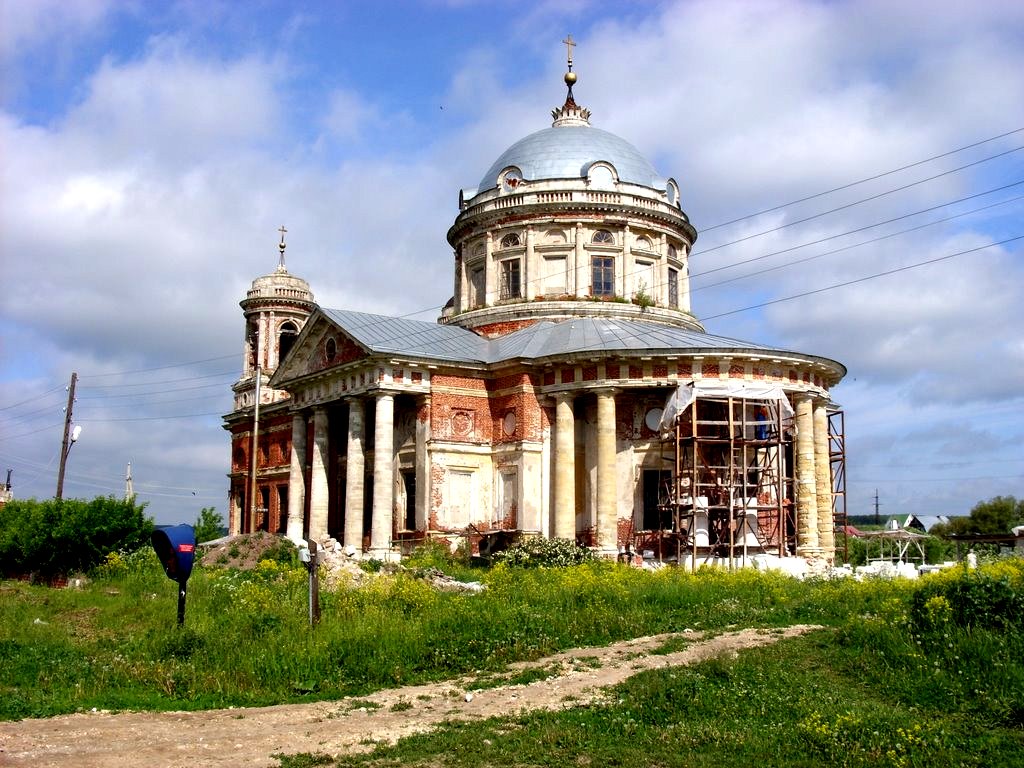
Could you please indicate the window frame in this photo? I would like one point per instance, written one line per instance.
(602, 275)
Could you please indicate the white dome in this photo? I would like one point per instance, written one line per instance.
(567, 152)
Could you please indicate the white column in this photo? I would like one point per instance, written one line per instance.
(628, 267)
(318, 488)
(355, 468)
(684, 280)
(490, 272)
(580, 281)
(806, 490)
(297, 479)
(823, 482)
(530, 273)
(565, 468)
(607, 486)
(383, 475)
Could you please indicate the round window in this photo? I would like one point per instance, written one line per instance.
(508, 424)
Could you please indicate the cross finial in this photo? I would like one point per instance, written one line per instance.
(280, 247)
(569, 45)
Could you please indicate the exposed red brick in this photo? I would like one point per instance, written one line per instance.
(549, 378)
(496, 330)
(611, 371)
(624, 535)
(659, 371)
(568, 375)
(685, 369)
(758, 373)
(590, 373)
(710, 370)
(736, 371)
(417, 377)
(636, 372)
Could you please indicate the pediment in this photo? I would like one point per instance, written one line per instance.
(321, 345)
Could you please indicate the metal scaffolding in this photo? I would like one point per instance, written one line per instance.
(731, 490)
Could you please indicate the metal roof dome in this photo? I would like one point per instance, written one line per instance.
(567, 152)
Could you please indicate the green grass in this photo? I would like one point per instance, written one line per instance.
(925, 671)
(801, 702)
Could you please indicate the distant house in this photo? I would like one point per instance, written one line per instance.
(924, 522)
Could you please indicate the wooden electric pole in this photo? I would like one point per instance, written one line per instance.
(66, 444)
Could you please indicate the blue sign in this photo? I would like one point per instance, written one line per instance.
(175, 545)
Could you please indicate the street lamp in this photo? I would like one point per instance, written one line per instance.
(69, 440)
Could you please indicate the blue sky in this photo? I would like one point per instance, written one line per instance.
(152, 149)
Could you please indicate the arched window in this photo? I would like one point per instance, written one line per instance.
(511, 240)
(643, 244)
(331, 350)
(603, 237)
(286, 339)
(672, 253)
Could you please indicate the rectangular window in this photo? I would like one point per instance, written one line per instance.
(510, 279)
(643, 279)
(603, 275)
(477, 290)
(554, 275)
(673, 288)
(460, 512)
(282, 508)
(508, 500)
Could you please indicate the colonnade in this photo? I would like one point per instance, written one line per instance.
(382, 518)
(564, 518)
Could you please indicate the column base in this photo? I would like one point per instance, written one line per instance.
(384, 555)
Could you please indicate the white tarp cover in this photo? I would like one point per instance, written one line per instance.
(690, 390)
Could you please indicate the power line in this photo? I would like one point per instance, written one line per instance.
(160, 367)
(863, 279)
(862, 181)
(164, 381)
(806, 259)
(33, 399)
(855, 203)
(877, 224)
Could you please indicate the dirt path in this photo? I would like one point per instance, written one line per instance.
(230, 738)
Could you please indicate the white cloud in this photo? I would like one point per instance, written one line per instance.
(144, 207)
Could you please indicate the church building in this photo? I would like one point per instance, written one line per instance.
(567, 390)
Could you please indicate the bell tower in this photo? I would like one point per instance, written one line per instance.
(276, 308)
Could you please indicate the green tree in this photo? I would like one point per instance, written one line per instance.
(994, 517)
(56, 537)
(209, 525)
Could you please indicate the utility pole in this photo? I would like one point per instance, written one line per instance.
(65, 447)
(255, 448)
(878, 519)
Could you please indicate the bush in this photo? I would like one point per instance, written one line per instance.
(545, 553)
(56, 537)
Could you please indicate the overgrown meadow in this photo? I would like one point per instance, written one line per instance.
(928, 672)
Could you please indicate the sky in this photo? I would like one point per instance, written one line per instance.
(152, 149)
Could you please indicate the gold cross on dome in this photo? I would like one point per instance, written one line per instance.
(569, 45)
(281, 246)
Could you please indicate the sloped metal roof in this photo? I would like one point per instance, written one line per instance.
(417, 338)
(542, 340)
